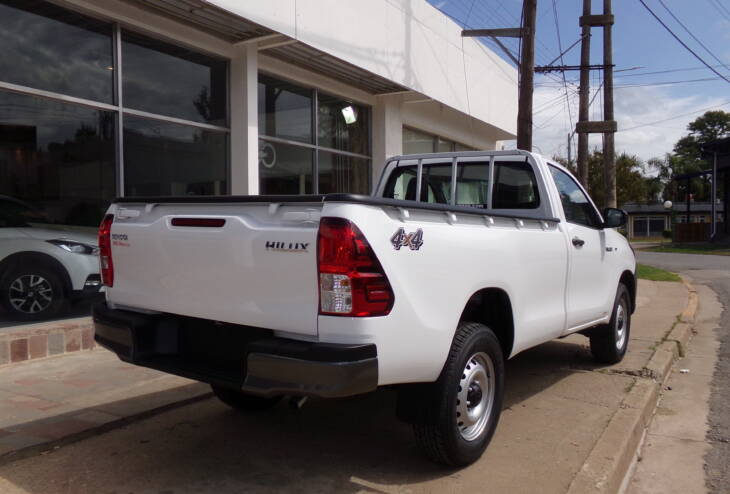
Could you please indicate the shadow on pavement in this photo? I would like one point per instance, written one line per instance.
(345, 445)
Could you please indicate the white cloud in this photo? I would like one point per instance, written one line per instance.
(633, 107)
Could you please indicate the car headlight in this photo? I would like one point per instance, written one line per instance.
(75, 247)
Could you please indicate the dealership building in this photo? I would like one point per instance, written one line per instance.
(176, 97)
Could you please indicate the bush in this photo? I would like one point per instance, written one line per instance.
(667, 234)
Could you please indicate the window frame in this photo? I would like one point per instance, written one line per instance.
(117, 106)
(542, 211)
(598, 214)
(315, 146)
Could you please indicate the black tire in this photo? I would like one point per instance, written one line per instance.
(439, 431)
(609, 343)
(25, 292)
(244, 402)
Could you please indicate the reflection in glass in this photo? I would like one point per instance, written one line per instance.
(416, 142)
(343, 125)
(165, 159)
(58, 157)
(285, 169)
(172, 80)
(338, 173)
(46, 47)
(285, 110)
(444, 145)
(472, 184)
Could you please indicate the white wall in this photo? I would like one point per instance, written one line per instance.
(406, 41)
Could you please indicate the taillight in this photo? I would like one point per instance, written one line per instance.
(351, 280)
(105, 250)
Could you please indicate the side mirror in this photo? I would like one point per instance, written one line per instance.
(614, 218)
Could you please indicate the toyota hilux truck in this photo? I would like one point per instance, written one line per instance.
(455, 262)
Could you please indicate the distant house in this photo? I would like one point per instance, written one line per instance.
(650, 220)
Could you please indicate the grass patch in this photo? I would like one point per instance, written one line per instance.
(651, 273)
(694, 249)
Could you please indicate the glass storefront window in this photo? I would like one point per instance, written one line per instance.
(166, 159)
(46, 47)
(57, 157)
(285, 110)
(343, 125)
(340, 173)
(170, 80)
(336, 158)
(418, 142)
(285, 169)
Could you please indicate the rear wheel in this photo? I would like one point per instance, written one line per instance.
(244, 402)
(462, 408)
(609, 343)
(32, 293)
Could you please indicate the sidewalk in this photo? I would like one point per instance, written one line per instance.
(569, 425)
(46, 401)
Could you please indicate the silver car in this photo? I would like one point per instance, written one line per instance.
(43, 266)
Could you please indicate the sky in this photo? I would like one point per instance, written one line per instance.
(652, 109)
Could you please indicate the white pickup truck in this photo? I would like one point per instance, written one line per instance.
(456, 262)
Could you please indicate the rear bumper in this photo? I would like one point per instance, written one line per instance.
(250, 359)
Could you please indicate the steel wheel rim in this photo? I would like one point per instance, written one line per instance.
(475, 396)
(30, 294)
(621, 323)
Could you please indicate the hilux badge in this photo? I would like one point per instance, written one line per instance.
(413, 240)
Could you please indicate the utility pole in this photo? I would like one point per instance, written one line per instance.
(609, 151)
(570, 151)
(526, 66)
(584, 93)
(527, 76)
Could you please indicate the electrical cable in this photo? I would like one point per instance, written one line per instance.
(682, 42)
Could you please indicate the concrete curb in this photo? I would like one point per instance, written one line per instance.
(48, 446)
(613, 454)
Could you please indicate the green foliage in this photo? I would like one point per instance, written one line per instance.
(667, 233)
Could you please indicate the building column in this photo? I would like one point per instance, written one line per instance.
(244, 159)
(387, 136)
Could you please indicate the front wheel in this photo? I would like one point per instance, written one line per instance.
(32, 293)
(609, 343)
(462, 408)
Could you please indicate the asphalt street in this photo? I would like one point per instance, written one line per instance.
(713, 271)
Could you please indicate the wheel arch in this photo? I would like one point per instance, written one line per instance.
(39, 259)
(628, 279)
(493, 308)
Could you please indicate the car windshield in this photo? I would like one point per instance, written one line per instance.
(19, 214)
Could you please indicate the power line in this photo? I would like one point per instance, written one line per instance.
(721, 9)
(682, 42)
(560, 47)
(676, 117)
(691, 34)
(668, 71)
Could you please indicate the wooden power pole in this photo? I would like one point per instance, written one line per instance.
(609, 151)
(526, 66)
(607, 126)
(527, 76)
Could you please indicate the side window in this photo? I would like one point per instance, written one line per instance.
(401, 180)
(435, 184)
(515, 186)
(472, 184)
(578, 209)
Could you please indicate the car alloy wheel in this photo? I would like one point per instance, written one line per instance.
(30, 294)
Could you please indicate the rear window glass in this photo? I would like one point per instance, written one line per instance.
(515, 186)
(472, 184)
(435, 184)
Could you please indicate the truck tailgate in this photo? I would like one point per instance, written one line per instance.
(254, 264)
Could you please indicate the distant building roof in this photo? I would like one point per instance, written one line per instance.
(677, 207)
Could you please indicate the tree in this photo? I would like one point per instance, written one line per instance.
(631, 183)
(687, 157)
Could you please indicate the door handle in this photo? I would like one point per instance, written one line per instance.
(578, 242)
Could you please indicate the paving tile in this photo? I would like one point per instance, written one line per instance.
(4, 352)
(56, 344)
(73, 340)
(19, 350)
(38, 346)
(87, 338)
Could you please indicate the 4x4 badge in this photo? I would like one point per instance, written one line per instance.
(414, 240)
